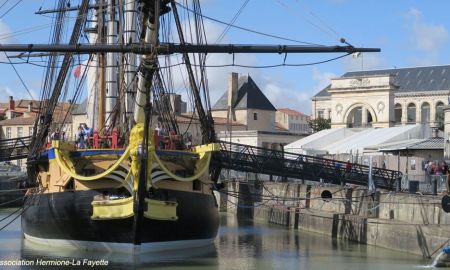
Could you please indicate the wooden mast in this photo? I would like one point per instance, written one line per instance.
(101, 70)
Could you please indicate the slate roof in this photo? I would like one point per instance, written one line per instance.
(413, 79)
(436, 143)
(187, 118)
(19, 121)
(80, 108)
(249, 97)
(59, 116)
(431, 143)
(323, 92)
(23, 103)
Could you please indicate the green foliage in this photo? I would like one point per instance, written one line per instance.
(440, 120)
(319, 124)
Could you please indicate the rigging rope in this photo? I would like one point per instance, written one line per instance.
(247, 29)
(50, 105)
(20, 78)
(11, 8)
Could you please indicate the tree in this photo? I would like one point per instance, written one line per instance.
(440, 120)
(319, 124)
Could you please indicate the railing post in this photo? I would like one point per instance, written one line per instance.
(434, 185)
(398, 182)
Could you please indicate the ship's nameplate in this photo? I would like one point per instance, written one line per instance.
(359, 82)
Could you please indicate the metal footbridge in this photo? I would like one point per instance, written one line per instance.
(244, 158)
(15, 148)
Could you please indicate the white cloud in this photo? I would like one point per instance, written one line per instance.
(283, 95)
(4, 31)
(322, 79)
(6, 92)
(425, 36)
(217, 76)
(9, 92)
(280, 92)
(293, 96)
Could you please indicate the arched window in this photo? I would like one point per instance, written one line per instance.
(425, 112)
(398, 113)
(440, 115)
(411, 113)
(356, 117)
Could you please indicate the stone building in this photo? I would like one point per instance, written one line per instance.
(385, 98)
(20, 117)
(245, 103)
(293, 121)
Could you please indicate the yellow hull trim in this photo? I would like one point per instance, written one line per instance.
(112, 209)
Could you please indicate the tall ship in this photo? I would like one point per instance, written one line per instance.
(132, 179)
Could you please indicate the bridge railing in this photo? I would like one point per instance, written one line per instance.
(14, 148)
(275, 162)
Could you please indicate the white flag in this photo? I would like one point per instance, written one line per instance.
(356, 54)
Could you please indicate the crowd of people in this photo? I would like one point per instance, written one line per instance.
(83, 133)
(81, 136)
(436, 168)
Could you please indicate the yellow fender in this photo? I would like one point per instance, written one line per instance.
(68, 168)
(199, 173)
(136, 137)
(202, 164)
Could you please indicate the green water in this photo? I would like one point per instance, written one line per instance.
(239, 245)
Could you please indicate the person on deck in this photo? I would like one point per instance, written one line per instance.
(80, 138)
(55, 135)
(87, 133)
(348, 166)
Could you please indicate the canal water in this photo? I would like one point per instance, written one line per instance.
(240, 244)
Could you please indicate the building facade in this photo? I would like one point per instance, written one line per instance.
(385, 98)
(20, 118)
(245, 103)
(293, 121)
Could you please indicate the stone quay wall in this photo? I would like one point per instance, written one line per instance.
(412, 223)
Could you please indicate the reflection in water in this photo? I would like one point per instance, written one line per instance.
(32, 251)
(241, 244)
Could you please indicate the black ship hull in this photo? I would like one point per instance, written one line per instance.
(64, 219)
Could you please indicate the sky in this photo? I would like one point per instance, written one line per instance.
(409, 33)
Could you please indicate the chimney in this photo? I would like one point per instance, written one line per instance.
(30, 106)
(12, 104)
(175, 103)
(232, 89)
